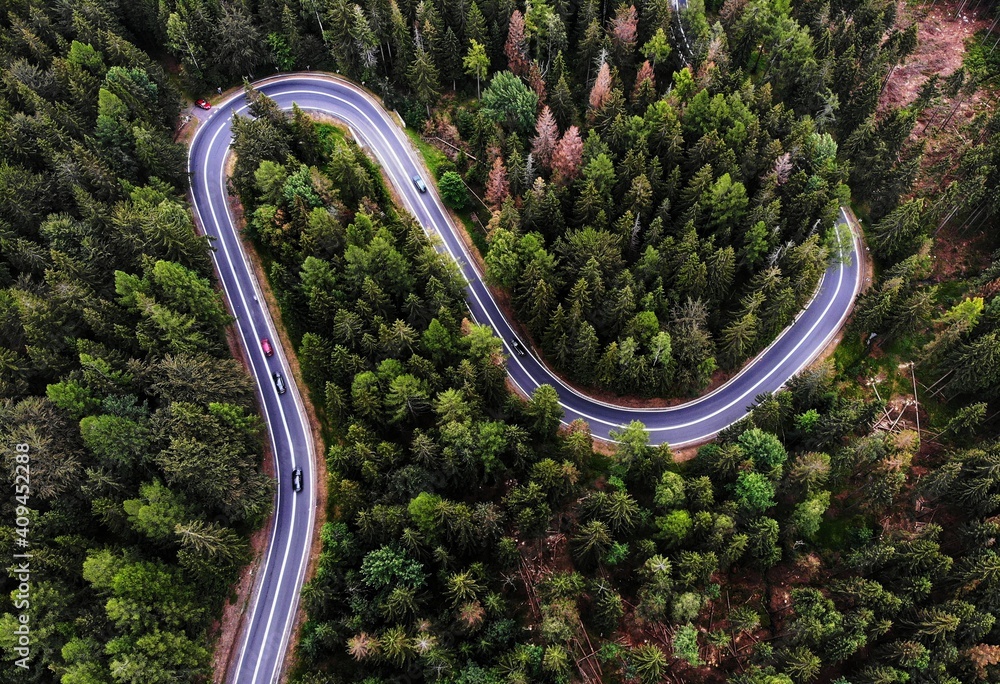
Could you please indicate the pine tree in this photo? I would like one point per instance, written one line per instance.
(651, 663)
(516, 47)
(363, 646)
(305, 137)
(562, 103)
(657, 48)
(585, 349)
(179, 36)
(557, 336)
(608, 608)
(897, 232)
(567, 157)
(544, 143)
(476, 62)
(423, 77)
(450, 58)
(537, 81)
(802, 664)
(601, 91)
(976, 367)
(937, 624)
(685, 644)
(475, 24)
(538, 305)
(592, 541)
(462, 587)
(497, 187)
(341, 42)
(737, 340)
(509, 102)
(644, 91)
(623, 33)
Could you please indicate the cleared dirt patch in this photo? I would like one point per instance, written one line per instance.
(958, 254)
(943, 35)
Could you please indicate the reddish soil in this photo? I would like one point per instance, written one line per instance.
(186, 127)
(957, 254)
(942, 35)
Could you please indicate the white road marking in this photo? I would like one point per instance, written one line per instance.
(431, 225)
(407, 193)
(284, 419)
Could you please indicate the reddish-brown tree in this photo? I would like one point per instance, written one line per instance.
(536, 81)
(624, 29)
(516, 47)
(546, 136)
(567, 156)
(601, 91)
(645, 74)
(497, 187)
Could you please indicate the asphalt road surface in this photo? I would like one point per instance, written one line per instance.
(276, 593)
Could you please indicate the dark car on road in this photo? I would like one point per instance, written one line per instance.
(419, 182)
(297, 479)
(518, 347)
(279, 382)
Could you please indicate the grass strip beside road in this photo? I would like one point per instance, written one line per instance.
(434, 158)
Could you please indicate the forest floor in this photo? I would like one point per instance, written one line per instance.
(942, 34)
(945, 29)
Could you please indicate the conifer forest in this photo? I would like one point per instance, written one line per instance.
(652, 191)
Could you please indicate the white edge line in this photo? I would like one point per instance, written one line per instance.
(297, 397)
(404, 192)
(436, 201)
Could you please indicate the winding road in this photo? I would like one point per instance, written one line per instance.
(276, 593)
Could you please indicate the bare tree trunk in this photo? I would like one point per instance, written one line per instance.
(191, 54)
(885, 82)
(952, 113)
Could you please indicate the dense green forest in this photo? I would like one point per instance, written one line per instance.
(141, 431)
(473, 541)
(667, 185)
(659, 193)
(666, 181)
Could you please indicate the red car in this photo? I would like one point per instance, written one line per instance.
(203, 104)
(265, 344)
